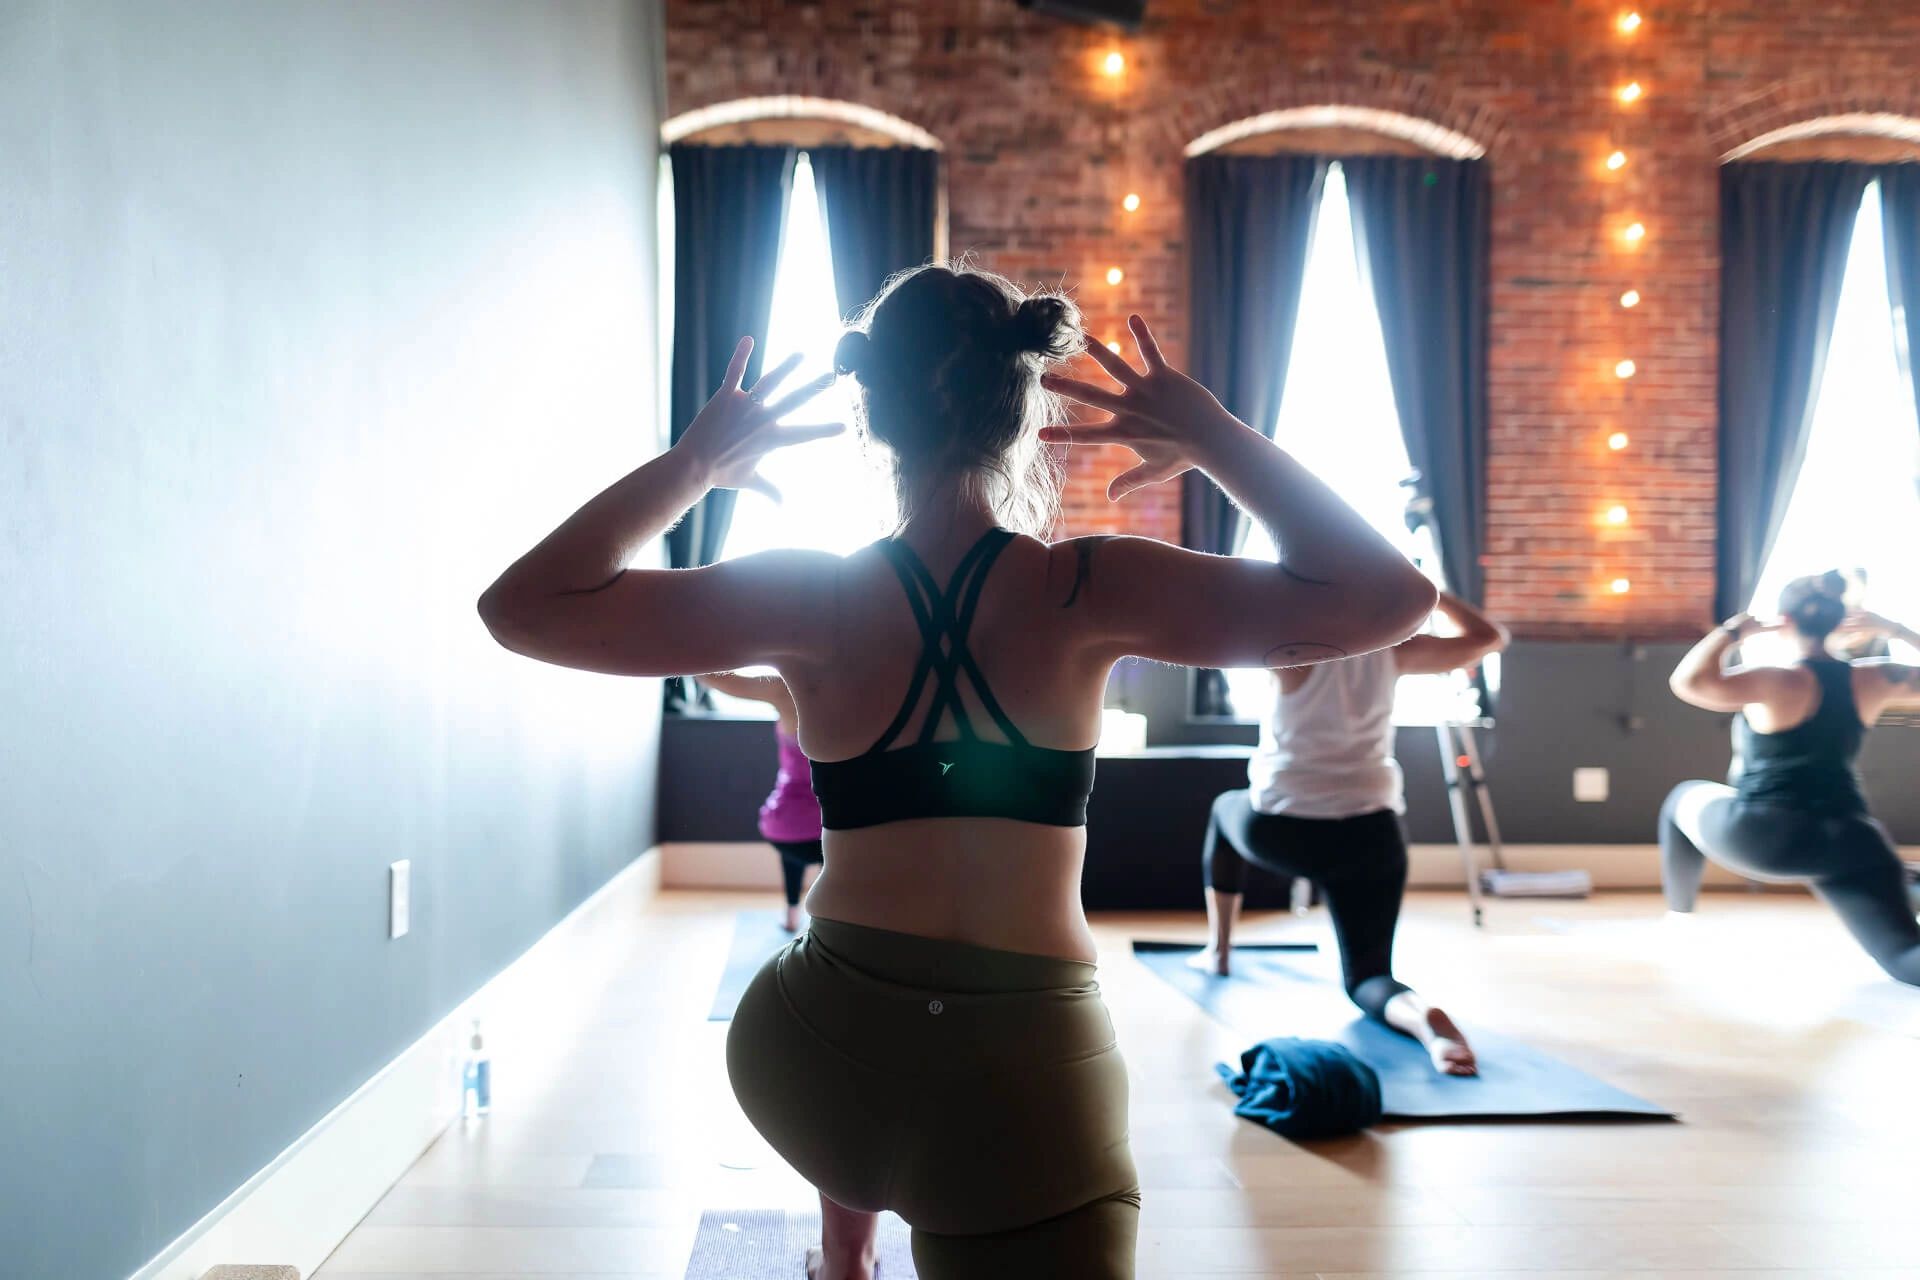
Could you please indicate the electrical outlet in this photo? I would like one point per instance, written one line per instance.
(399, 898)
(1590, 786)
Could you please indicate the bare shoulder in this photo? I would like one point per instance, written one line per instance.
(1880, 684)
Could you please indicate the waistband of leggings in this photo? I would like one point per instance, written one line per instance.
(940, 964)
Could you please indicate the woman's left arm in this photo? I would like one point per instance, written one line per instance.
(573, 601)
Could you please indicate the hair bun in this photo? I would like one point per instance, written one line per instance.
(1047, 325)
(852, 352)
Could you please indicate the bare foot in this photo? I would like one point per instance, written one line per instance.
(792, 922)
(866, 1269)
(1208, 960)
(1448, 1047)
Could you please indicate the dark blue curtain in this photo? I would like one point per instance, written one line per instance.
(1900, 211)
(1784, 234)
(1422, 230)
(1249, 222)
(729, 207)
(880, 206)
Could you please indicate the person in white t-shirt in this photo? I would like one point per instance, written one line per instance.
(1324, 802)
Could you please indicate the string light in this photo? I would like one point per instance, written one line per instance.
(1115, 275)
(1114, 63)
(1131, 201)
(1629, 93)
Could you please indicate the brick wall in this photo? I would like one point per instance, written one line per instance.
(1041, 146)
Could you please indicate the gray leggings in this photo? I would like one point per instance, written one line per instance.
(1850, 862)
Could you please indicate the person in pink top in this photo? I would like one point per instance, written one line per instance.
(790, 818)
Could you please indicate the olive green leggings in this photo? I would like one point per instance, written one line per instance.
(977, 1093)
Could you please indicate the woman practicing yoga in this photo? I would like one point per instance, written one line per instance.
(790, 818)
(935, 1043)
(1324, 803)
(1795, 812)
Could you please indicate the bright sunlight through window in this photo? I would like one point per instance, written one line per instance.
(1337, 417)
(1856, 504)
(833, 497)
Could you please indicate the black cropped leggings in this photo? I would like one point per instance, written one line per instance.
(1359, 863)
(795, 857)
(1850, 862)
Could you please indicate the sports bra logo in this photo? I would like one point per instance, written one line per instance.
(944, 766)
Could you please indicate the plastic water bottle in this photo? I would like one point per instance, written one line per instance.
(476, 1085)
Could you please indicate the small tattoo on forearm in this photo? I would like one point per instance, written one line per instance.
(1301, 653)
(1301, 577)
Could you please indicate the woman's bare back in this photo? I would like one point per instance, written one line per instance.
(994, 882)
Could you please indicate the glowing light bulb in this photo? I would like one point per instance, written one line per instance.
(1131, 201)
(1629, 23)
(1631, 298)
(1635, 232)
(1625, 369)
(1618, 160)
(1616, 515)
(1631, 91)
(1617, 441)
(1115, 275)
(1621, 586)
(1114, 63)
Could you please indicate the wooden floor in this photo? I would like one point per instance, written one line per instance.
(1793, 1063)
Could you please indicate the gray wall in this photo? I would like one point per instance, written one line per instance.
(1563, 706)
(311, 316)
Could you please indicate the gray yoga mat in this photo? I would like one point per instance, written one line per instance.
(1272, 994)
(769, 1244)
(756, 936)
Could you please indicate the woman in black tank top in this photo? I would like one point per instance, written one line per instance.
(1795, 811)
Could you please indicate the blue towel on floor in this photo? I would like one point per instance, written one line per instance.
(1304, 1088)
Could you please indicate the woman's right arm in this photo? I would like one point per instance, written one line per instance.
(1890, 684)
(1338, 588)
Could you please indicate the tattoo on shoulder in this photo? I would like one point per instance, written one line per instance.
(1301, 577)
(1300, 653)
(587, 591)
(1082, 566)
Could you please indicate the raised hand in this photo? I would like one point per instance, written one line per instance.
(736, 428)
(1160, 413)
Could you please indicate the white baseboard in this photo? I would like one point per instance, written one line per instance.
(297, 1209)
(754, 865)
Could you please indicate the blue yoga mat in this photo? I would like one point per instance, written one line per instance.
(1271, 994)
(756, 936)
(768, 1244)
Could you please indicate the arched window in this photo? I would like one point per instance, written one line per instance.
(833, 496)
(1856, 502)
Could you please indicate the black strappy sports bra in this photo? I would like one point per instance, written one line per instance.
(964, 777)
